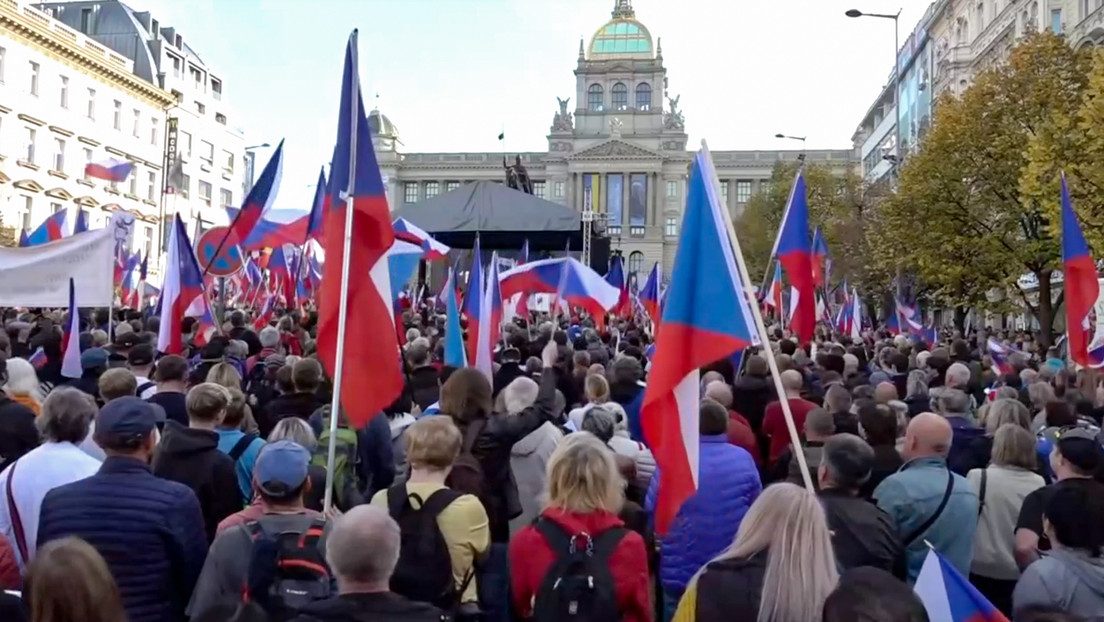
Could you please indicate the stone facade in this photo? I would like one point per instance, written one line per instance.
(617, 146)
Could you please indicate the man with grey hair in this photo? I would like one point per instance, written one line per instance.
(774, 422)
(740, 433)
(362, 550)
(969, 449)
(63, 424)
(863, 534)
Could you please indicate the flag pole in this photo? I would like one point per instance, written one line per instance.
(749, 292)
(339, 356)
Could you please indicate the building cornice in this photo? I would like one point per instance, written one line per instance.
(67, 45)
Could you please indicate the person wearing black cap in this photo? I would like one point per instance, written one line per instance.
(140, 363)
(863, 534)
(119, 350)
(148, 529)
(1075, 459)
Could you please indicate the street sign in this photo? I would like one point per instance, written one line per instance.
(229, 259)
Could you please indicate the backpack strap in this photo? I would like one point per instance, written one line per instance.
(396, 500)
(439, 500)
(981, 493)
(239, 447)
(607, 541)
(313, 533)
(919, 531)
(145, 386)
(16, 520)
(558, 539)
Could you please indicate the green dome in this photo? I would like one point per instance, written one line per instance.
(626, 38)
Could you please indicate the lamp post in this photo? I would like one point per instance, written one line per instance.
(801, 138)
(247, 181)
(896, 75)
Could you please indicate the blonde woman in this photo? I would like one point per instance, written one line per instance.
(584, 497)
(597, 391)
(226, 375)
(22, 385)
(780, 568)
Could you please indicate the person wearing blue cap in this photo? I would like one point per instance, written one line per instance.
(148, 529)
(93, 364)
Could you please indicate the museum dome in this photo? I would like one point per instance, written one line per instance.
(621, 37)
(381, 125)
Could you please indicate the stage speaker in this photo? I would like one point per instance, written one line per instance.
(599, 254)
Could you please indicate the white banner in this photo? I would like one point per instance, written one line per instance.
(39, 276)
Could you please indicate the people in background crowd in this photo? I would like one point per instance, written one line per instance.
(22, 385)
(879, 427)
(69, 580)
(17, 425)
(170, 375)
(774, 423)
(872, 594)
(117, 382)
(140, 363)
(820, 425)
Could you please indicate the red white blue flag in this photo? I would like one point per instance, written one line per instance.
(949, 597)
(70, 360)
(794, 250)
(1081, 286)
(182, 294)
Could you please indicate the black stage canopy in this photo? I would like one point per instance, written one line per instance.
(503, 217)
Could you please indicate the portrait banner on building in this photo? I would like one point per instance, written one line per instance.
(592, 192)
(615, 188)
(638, 199)
(38, 276)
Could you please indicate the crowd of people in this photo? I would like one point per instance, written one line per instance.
(164, 488)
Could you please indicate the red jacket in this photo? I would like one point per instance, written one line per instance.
(740, 434)
(530, 558)
(10, 578)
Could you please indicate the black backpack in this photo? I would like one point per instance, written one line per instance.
(287, 570)
(579, 586)
(424, 571)
(467, 474)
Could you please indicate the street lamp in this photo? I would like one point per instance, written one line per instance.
(801, 138)
(896, 71)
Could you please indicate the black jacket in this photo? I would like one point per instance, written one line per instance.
(424, 387)
(862, 534)
(192, 457)
(18, 433)
(381, 607)
(729, 589)
(492, 450)
(886, 463)
(300, 405)
(750, 396)
(918, 404)
(250, 338)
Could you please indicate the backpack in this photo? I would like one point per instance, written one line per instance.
(239, 447)
(287, 570)
(260, 385)
(467, 473)
(578, 586)
(345, 459)
(424, 571)
(145, 386)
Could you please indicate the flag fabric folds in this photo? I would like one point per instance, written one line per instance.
(649, 296)
(182, 294)
(1081, 286)
(406, 231)
(998, 353)
(774, 294)
(795, 253)
(820, 255)
(706, 318)
(81, 225)
(573, 282)
(455, 354)
(616, 278)
(260, 198)
(473, 302)
(24, 240)
(369, 349)
(948, 596)
(319, 205)
(70, 360)
(111, 169)
(51, 230)
(490, 322)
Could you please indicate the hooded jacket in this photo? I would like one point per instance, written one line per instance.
(1067, 579)
(192, 457)
(529, 459)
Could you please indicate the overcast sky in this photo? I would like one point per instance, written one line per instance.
(452, 73)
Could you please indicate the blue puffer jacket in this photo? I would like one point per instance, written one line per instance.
(707, 522)
(148, 529)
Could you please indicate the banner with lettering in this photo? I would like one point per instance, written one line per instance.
(39, 276)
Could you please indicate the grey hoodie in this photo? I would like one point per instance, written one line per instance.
(1067, 579)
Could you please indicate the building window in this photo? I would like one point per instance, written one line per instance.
(184, 140)
(670, 227)
(137, 121)
(227, 161)
(410, 192)
(220, 118)
(185, 185)
(154, 123)
(539, 190)
(176, 65)
(206, 152)
(34, 79)
(225, 197)
(87, 160)
(558, 189)
(86, 20)
(1055, 21)
(451, 185)
(205, 193)
(28, 207)
(59, 155)
(594, 97)
(724, 191)
(200, 108)
(3, 53)
(151, 186)
(147, 243)
(29, 146)
(636, 262)
(91, 112)
(764, 187)
(432, 189)
(614, 230)
(56, 207)
(672, 189)
(643, 96)
(133, 190)
(620, 96)
(117, 120)
(197, 78)
(64, 95)
(636, 231)
(178, 96)
(216, 89)
(743, 191)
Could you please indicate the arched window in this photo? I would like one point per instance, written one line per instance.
(643, 96)
(636, 262)
(594, 97)
(620, 96)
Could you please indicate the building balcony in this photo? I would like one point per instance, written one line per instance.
(1090, 30)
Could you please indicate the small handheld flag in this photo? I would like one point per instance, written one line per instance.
(70, 362)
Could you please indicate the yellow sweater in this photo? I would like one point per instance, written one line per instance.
(688, 605)
(465, 528)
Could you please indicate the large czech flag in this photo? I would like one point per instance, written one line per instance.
(1082, 288)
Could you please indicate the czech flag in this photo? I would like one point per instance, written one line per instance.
(455, 353)
(182, 294)
(24, 241)
(572, 282)
(51, 230)
(521, 306)
(855, 326)
(616, 278)
(265, 314)
(276, 228)
(82, 223)
(1082, 288)
(649, 296)
(407, 232)
(820, 254)
(111, 169)
(70, 361)
(774, 293)
(38, 358)
(795, 252)
(473, 301)
(260, 198)
(317, 216)
(706, 318)
(369, 349)
(948, 596)
(490, 322)
(998, 352)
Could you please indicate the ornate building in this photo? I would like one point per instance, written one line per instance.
(621, 150)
